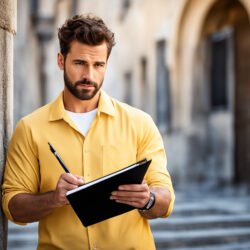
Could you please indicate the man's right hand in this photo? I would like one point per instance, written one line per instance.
(66, 183)
(28, 207)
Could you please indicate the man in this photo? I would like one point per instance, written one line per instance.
(95, 135)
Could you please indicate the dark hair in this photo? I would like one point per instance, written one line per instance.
(87, 29)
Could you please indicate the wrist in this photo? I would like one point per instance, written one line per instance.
(52, 200)
(150, 203)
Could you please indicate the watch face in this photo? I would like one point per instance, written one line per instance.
(151, 201)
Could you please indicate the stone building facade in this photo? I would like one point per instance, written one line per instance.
(185, 62)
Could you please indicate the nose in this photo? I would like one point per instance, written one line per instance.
(88, 73)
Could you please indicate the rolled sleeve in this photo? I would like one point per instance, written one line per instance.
(151, 146)
(22, 167)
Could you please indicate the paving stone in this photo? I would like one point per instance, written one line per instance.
(200, 237)
(207, 222)
(230, 246)
(202, 222)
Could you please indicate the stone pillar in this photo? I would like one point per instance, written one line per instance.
(7, 31)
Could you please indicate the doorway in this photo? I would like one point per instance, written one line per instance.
(227, 32)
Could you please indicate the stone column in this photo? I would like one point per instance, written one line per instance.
(7, 31)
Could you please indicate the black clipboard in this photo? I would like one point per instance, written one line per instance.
(91, 201)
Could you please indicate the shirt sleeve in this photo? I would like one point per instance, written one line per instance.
(151, 146)
(22, 167)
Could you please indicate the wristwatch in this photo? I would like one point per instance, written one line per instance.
(150, 203)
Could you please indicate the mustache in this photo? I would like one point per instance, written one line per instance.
(86, 82)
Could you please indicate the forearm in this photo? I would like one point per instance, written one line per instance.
(162, 202)
(33, 207)
(27, 208)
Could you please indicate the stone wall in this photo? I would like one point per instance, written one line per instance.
(7, 30)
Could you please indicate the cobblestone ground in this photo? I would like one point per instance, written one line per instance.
(202, 220)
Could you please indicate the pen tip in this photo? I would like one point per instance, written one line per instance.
(51, 148)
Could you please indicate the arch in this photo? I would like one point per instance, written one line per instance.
(182, 48)
(188, 51)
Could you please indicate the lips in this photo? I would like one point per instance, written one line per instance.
(86, 86)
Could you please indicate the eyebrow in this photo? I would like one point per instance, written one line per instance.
(84, 61)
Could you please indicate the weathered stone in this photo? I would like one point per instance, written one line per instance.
(7, 15)
(7, 29)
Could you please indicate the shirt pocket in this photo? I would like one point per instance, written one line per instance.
(116, 157)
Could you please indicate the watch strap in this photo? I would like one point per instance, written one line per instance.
(150, 203)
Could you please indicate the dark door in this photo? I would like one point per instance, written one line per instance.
(219, 74)
(242, 102)
(163, 89)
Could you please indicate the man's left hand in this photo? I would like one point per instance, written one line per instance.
(136, 195)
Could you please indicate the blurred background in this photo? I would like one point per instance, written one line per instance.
(186, 63)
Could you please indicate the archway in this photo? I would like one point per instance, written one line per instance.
(226, 34)
(213, 61)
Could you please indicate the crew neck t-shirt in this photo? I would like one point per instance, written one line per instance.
(82, 121)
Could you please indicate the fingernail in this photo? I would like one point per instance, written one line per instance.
(82, 180)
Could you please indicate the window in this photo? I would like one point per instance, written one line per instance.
(128, 87)
(33, 7)
(125, 7)
(219, 71)
(143, 83)
(143, 72)
(163, 89)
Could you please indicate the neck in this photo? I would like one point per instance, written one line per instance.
(73, 104)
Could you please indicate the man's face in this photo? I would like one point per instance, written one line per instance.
(84, 68)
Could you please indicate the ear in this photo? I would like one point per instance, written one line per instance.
(60, 61)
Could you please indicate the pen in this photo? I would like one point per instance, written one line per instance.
(58, 158)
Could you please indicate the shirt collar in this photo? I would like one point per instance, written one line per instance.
(105, 104)
(57, 111)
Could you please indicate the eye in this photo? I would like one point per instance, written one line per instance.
(78, 62)
(100, 65)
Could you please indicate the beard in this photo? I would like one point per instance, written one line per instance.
(79, 93)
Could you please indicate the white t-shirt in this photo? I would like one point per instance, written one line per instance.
(83, 120)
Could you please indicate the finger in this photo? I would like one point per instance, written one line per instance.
(67, 177)
(124, 194)
(65, 185)
(80, 179)
(136, 204)
(125, 199)
(68, 186)
(134, 187)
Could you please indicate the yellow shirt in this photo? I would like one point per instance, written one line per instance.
(118, 136)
